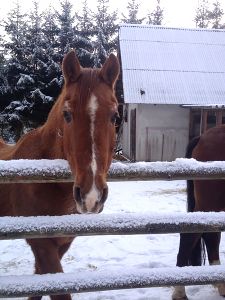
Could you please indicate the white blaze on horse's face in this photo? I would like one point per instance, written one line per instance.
(93, 199)
(93, 195)
(92, 109)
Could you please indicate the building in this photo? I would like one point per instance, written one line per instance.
(173, 83)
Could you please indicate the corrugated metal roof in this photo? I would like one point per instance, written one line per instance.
(163, 65)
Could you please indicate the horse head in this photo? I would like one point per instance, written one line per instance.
(89, 110)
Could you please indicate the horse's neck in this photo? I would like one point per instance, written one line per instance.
(38, 144)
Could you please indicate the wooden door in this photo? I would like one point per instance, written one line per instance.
(133, 134)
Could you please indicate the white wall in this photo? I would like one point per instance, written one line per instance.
(161, 132)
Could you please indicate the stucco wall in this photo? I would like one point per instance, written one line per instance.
(161, 132)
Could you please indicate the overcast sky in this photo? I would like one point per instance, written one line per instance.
(178, 13)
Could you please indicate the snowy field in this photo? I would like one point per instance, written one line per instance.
(116, 252)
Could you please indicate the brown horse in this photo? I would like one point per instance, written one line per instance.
(81, 129)
(203, 195)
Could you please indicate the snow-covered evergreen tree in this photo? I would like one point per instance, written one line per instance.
(15, 27)
(66, 30)
(26, 69)
(31, 79)
(2, 61)
(51, 67)
(42, 47)
(84, 21)
(69, 37)
(50, 28)
(202, 14)
(156, 16)
(3, 80)
(15, 65)
(43, 68)
(215, 15)
(106, 26)
(34, 39)
(132, 15)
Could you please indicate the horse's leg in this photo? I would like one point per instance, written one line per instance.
(64, 248)
(187, 243)
(212, 242)
(37, 271)
(47, 260)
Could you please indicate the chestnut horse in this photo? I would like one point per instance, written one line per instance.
(203, 195)
(81, 129)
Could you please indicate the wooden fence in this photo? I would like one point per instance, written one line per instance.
(24, 171)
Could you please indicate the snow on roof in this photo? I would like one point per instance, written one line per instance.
(205, 106)
(163, 65)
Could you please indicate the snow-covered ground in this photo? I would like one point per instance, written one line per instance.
(114, 252)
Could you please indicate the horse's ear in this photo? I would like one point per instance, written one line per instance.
(71, 67)
(110, 70)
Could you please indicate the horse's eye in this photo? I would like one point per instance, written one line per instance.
(67, 116)
(114, 117)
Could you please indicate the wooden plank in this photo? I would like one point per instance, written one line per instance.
(88, 281)
(219, 117)
(203, 124)
(133, 134)
(109, 224)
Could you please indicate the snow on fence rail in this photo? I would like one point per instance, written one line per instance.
(34, 285)
(26, 171)
(110, 224)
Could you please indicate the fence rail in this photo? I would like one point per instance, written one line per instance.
(34, 171)
(34, 285)
(110, 224)
(25, 171)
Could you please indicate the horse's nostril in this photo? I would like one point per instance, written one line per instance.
(77, 194)
(104, 195)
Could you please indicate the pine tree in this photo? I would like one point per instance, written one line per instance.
(50, 31)
(38, 64)
(133, 9)
(15, 65)
(34, 39)
(3, 80)
(156, 17)
(84, 21)
(66, 30)
(84, 32)
(25, 71)
(202, 15)
(51, 68)
(105, 31)
(2, 59)
(69, 37)
(50, 28)
(215, 16)
(15, 27)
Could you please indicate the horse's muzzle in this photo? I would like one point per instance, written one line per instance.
(90, 204)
